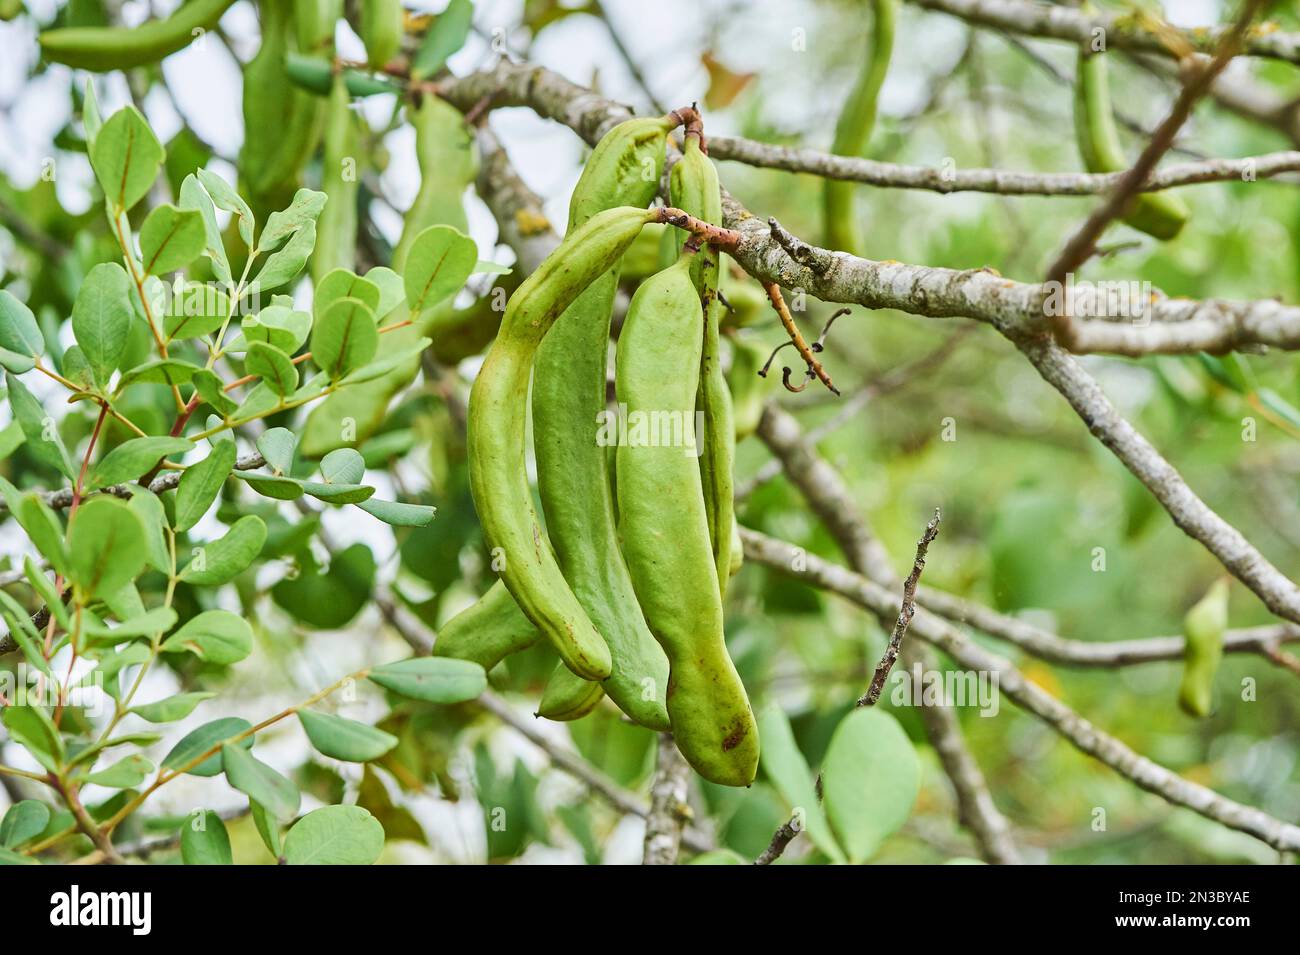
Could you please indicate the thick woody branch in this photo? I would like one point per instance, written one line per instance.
(1082, 734)
(1122, 31)
(1213, 325)
(669, 810)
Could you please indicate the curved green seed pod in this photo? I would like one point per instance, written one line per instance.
(1158, 214)
(737, 551)
(1203, 629)
(118, 48)
(487, 631)
(314, 22)
(283, 124)
(853, 131)
(381, 30)
(693, 187)
(497, 456)
(444, 151)
(336, 232)
(665, 532)
(568, 697)
(448, 164)
(749, 392)
(569, 402)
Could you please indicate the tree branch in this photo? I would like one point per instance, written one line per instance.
(669, 809)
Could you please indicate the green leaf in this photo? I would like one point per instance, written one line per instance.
(226, 198)
(90, 118)
(432, 679)
(305, 208)
(126, 156)
(440, 261)
(216, 636)
(223, 559)
(788, 772)
(171, 238)
(338, 494)
(44, 587)
(344, 283)
(345, 739)
(42, 525)
(212, 390)
(330, 600)
(196, 310)
(9, 857)
(106, 546)
(157, 620)
(198, 741)
(278, 325)
(278, 446)
(172, 708)
(399, 514)
(343, 466)
(193, 196)
(268, 829)
(260, 782)
(131, 459)
(276, 488)
(273, 366)
(153, 517)
(31, 727)
(386, 362)
(161, 371)
(284, 264)
(43, 439)
(392, 290)
(204, 841)
(201, 483)
(21, 342)
(484, 267)
(24, 820)
(101, 318)
(345, 337)
(259, 402)
(870, 779)
(126, 773)
(445, 37)
(335, 835)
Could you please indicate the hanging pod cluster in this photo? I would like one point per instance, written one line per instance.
(625, 580)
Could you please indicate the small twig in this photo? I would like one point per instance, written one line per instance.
(905, 613)
(806, 353)
(780, 839)
(724, 240)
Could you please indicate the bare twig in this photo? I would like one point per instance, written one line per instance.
(905, 614)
